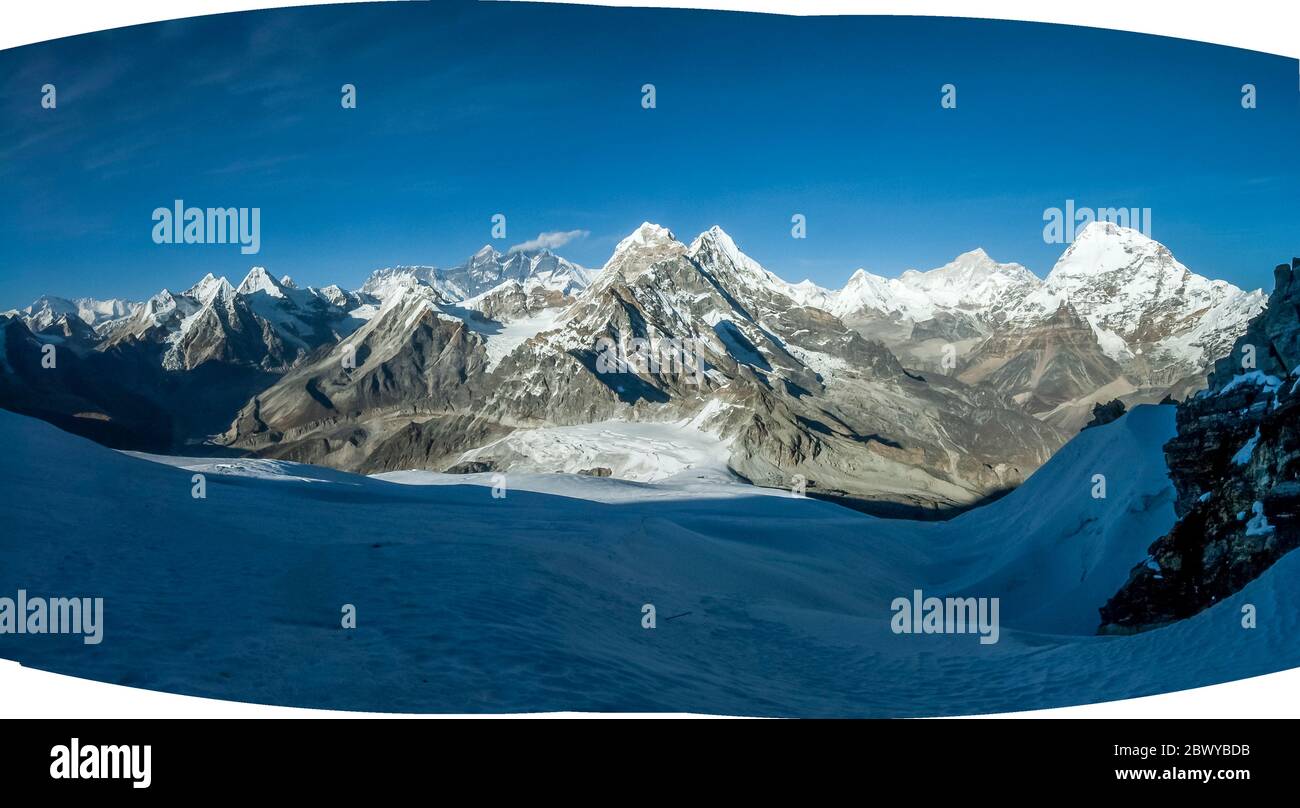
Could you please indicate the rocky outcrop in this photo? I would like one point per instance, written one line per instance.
(1103, 414)
(1235, 465)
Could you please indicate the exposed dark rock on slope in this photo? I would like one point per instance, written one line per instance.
(1235, 464)
(1103, 414)
(75, 394)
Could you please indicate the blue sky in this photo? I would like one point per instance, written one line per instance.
(534, 111)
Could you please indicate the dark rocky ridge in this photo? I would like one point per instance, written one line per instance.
(1103, 414)
(1235, 465)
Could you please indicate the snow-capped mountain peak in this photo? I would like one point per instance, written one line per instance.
(636, 253)
(866, 291)
(1103, 248)
(807, 293)
(413, 298)
(647, 234)
(45, 311)
(716, 240)
(973, 281)
(715, 251)
(1128, 283)
(974, 266)
(484, 271)
(95, 312)
(552, 272)
(259, 280)
(382, 283)
(210, 288)
(718, 237)
(161, 303)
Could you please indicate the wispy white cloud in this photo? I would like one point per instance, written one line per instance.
(550, 241)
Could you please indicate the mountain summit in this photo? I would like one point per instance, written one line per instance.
(484, 271)
(925, 392)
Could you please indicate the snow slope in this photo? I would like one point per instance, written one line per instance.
(502, 338)
(468, 603)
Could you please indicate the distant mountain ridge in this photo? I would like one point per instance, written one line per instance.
(484, 271)
(931, 390)
(1160, 324)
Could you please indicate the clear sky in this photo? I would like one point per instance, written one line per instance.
(534, 111)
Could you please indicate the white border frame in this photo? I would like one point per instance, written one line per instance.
(1270, 26)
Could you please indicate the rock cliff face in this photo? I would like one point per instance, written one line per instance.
(1235, 464)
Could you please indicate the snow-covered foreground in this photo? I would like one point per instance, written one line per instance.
(470, 603)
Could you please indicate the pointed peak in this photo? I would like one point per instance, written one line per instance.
(718, 238)
(971, 267)
(259, 280)
(861, 276)
(287, 282)
(647, 234)
(210, 288)
(161, 302)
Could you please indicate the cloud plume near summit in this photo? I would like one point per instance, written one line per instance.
(550, 241)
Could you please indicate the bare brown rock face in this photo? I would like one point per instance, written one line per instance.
(1235, 464)
(1054, 369)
